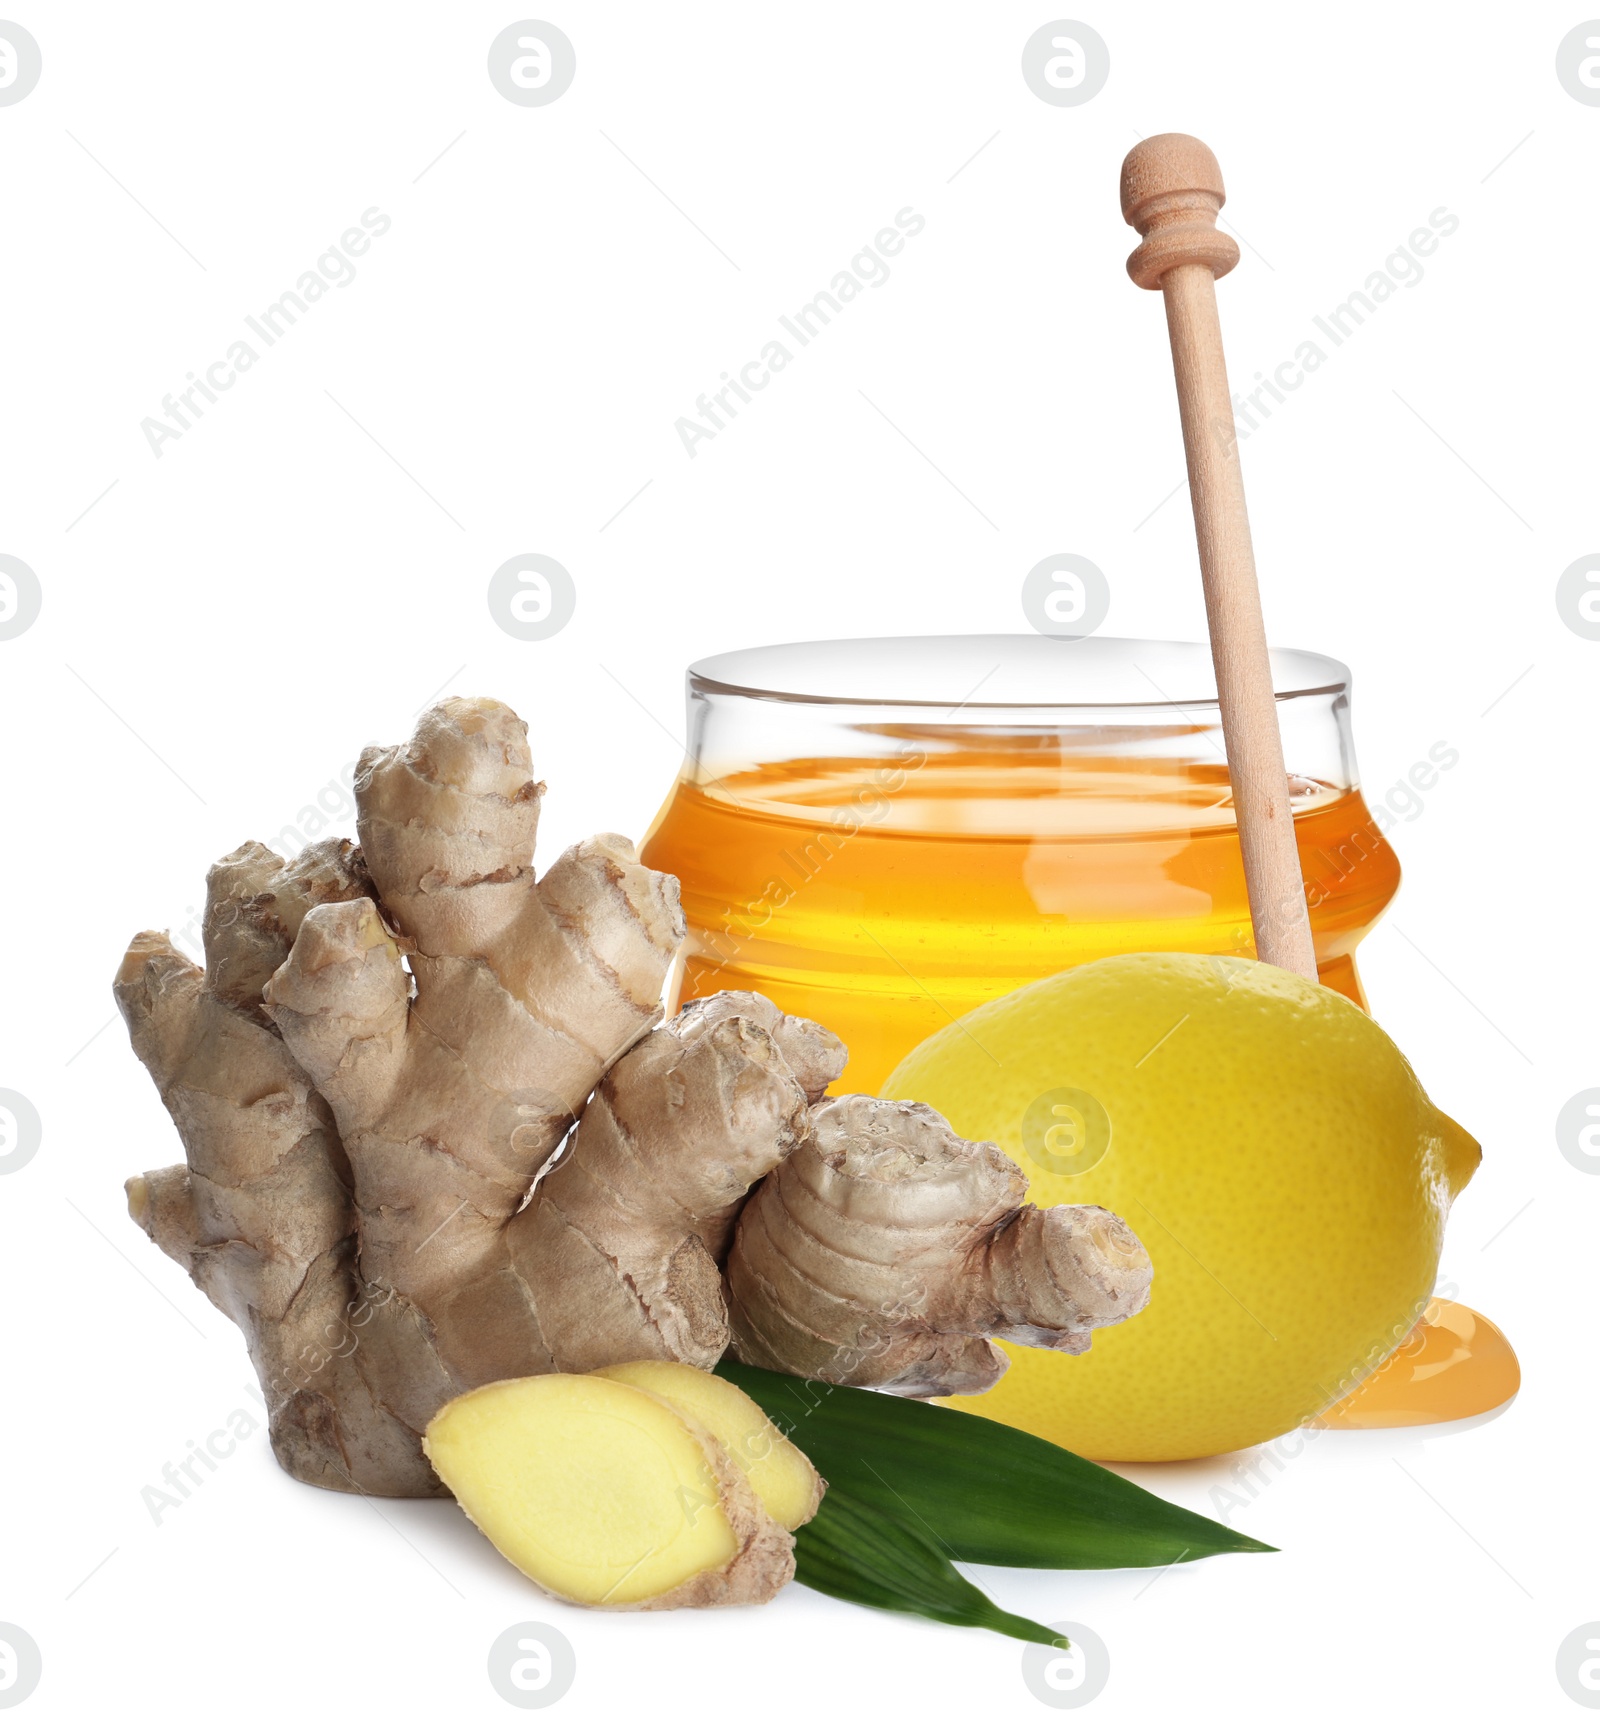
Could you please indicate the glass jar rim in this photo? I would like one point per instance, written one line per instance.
(998, 671)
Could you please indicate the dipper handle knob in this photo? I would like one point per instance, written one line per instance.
(1171, 192)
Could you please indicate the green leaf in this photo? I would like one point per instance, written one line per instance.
(988, 1492)
(850, 1550)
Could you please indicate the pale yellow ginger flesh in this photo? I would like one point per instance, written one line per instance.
(604, 1495)
(779, 1473)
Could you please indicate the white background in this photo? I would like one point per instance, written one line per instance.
(226, 626)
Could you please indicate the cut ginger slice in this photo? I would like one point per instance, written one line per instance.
(603, 1494)
(783, 1478)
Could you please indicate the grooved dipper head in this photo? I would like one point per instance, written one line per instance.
(1171, 192)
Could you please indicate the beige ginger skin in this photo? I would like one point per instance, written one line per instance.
(886, 1251)
(435, 1138)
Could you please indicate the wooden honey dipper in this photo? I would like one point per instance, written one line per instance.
(1171, 193)
(1456, 1363)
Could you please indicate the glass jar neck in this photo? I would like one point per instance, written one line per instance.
(1033, 716)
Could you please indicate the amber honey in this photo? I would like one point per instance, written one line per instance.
(1454, 1364)
(888, 895)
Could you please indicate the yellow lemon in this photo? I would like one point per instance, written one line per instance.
(1267, 1141)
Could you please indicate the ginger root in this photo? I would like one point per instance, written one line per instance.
(434, 1139)
(623, 1241)
(362, 1131)
(604, 1494)
(886, 1250)
(261, 1214)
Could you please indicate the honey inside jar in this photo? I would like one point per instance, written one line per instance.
(886, 892)
(951, 883)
